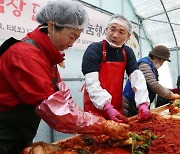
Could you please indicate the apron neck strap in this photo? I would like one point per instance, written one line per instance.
(124, 53)
(104, 50)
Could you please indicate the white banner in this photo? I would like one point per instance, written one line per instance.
(17, 19)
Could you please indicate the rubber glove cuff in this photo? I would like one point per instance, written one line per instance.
(107, 106)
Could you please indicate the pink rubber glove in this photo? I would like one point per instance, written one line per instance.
(143, 112)
(61, 113)
(113, 114)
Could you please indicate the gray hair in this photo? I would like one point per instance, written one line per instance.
(119, 19)
(64, 13)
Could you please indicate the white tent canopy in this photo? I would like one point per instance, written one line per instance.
(161, 22)
(160, 19)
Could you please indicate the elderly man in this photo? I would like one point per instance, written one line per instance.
(104, 64)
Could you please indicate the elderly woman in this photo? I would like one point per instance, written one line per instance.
(149, 65)
(30, 84)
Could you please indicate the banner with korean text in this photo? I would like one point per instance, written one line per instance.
(17, 18)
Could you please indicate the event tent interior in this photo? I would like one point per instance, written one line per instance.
(155, 22)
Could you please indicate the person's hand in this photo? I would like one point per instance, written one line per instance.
(174, 96)
(143, 112)
(113, 114)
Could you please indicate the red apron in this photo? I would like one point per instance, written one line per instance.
(111, 76)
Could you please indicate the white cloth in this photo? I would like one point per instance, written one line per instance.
(138, 84)
(165, 78)
(97, 94)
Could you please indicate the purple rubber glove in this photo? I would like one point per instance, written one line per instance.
(113, 114)
(143, 112)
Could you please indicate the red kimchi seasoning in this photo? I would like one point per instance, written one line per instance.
(167, 132)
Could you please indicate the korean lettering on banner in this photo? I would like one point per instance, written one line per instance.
(18, 7)
(97, 32)
(18, 19)
(1, 6)
(98, 29)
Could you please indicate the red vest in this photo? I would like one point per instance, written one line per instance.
(111, 76)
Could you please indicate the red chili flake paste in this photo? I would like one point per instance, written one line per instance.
(167, 130)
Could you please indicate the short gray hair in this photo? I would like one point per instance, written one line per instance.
(122, 21)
